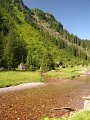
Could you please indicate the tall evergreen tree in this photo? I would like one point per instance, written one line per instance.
(47, 62)
(14, 49)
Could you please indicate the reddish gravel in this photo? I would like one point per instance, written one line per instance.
(38, 102)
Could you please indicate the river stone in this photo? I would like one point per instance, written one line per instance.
(87, 103)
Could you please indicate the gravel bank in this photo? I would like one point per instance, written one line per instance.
(21, 87)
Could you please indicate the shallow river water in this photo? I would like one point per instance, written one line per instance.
(42, 101)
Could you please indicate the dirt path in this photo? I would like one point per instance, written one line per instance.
(21, 87)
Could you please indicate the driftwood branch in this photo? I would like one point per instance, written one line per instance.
(64, 108)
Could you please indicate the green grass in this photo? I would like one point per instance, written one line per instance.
(8, 78)
(85, 115)
(66, 73)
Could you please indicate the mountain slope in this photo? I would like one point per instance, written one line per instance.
(56, 29)
(31, 36)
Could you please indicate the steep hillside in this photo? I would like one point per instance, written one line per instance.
(37, 39)
(55, 28)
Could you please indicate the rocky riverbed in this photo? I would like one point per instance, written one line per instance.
(41, 101)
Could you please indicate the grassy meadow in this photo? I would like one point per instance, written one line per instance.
(66, 73)
(8, 78)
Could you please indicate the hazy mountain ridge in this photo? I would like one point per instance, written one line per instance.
(35, 37)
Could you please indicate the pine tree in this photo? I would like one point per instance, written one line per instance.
(47, 62)
(29, 61)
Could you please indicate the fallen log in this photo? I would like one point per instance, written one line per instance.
(65, 108)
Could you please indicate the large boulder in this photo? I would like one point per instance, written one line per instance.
(87, 103)
(2, 68)
(22, 67)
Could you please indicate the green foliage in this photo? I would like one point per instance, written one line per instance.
(22, 39)
(14, 49)
(47, 62)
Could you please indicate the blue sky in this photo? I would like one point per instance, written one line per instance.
(73, 14)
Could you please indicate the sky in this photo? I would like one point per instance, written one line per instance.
(73, 14)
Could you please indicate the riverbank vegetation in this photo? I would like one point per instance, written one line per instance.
(85, 115)
(66, 73)
(8, 78)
